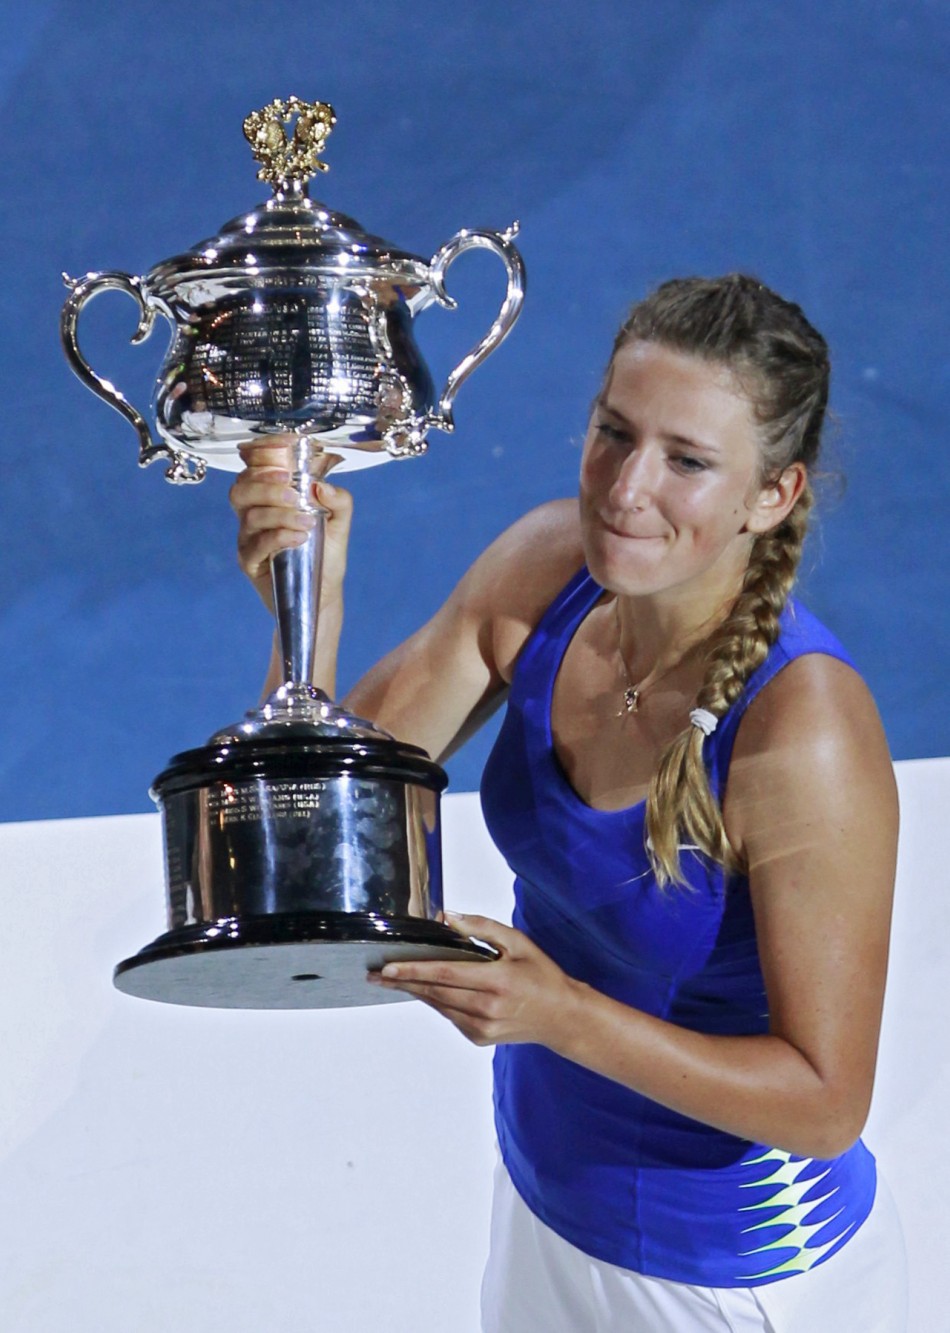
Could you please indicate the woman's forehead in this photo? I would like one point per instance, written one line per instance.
(650, 378)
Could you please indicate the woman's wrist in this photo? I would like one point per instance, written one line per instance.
(570, 1015)
(329, 627)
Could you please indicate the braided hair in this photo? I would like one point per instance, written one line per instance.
(781, 363)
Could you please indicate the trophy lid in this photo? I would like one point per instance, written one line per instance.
(291, 230)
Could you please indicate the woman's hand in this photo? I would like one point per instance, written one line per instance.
(271, 520)
(522, 996)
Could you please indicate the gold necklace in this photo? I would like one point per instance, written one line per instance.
(632, 694)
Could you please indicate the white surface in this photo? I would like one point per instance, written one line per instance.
(218, 1172)
(906, 1129)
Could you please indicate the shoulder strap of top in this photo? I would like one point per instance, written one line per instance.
(800, 633)
(548, 640)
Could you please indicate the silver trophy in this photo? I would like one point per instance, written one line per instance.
(302, 844)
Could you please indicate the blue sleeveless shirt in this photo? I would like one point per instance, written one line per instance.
(618, 1175)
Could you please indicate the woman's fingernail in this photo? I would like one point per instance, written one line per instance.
(390, 970)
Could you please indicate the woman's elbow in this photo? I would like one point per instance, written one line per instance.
(831, 1131)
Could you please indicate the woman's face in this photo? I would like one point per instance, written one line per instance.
(669, 488)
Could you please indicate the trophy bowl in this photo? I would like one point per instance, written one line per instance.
(302, 844)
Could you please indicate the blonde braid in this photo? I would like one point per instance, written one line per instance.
(780, 362)
(681, 808)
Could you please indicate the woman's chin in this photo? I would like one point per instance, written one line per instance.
(633, 570)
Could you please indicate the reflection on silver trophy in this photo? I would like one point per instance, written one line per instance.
(302, 844)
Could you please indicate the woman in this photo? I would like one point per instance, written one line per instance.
(693, 788)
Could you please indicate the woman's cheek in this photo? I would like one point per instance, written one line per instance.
(593, 473)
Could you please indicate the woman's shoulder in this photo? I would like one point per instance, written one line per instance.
(810, 734)
(550, 530)
(521, 573)
(815, 696)
(807, 684)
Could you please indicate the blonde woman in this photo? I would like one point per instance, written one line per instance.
(692, 787)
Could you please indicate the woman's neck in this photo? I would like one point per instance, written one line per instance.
(658, 630)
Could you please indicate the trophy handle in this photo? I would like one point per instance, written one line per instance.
(183, 468)
(500, 243)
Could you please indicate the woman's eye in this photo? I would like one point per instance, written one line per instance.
(689, 463)
(613, 433)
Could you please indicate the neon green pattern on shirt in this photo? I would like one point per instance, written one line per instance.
(784, 1172)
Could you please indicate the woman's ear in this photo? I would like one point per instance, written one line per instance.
(776, 500)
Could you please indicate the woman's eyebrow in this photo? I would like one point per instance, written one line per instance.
(673, 437)
(614, 411)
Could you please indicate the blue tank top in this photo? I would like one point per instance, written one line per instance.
(616, 1174)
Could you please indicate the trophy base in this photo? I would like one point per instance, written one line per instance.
(305, 960)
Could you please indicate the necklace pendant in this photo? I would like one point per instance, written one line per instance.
(631, 700)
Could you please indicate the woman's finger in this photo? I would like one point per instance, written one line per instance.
(268, 486)
(255, 554)
(333, 498)
(504, 938)
(275, 451)
(455, 1003)
(268, 518)
(474, 1002)
(479, 1031)
(473, 976)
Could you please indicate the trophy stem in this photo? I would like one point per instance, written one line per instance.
(296, 572)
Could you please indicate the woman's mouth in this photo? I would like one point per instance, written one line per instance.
(627, 535)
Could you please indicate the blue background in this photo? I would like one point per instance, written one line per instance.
(803, 141)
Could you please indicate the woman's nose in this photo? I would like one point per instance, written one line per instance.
(636, 481)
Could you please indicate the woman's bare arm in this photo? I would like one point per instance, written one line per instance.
(438, 685)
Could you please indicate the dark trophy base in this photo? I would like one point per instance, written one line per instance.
(307, 960)
(296, 862)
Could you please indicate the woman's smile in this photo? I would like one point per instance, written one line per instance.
(616, 527)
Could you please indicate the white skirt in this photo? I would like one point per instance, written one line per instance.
(535, 1282)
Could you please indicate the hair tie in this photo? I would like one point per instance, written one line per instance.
(706, 721)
